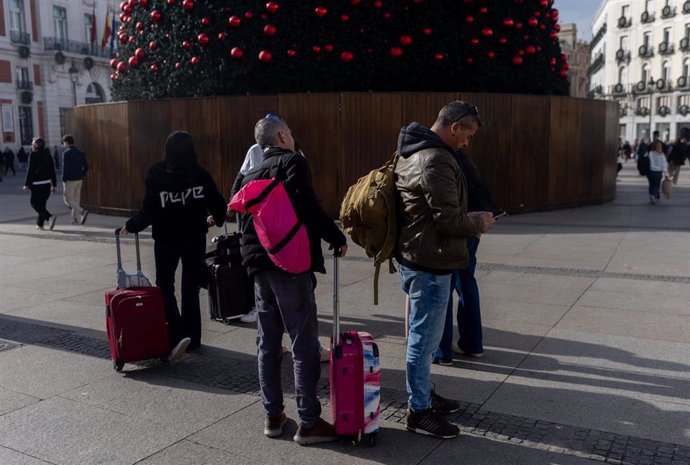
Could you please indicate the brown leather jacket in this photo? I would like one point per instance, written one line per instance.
(432, 204)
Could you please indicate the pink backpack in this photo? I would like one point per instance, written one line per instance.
(280, 231)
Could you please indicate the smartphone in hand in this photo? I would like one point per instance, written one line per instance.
(499, 213)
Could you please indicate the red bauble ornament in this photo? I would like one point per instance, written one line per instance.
(378, 4)
(518, 26)
(121, 67)
(113, 63)
(530, 50)
(178, 65)
(521, 52)
(154, 68)
(133, 62)
(386, 15)
(491, 55)
(222, 36)
(542, 27)
(127, 10)
(469, 19)
(139, 53)
(487, 32)
(355, 2)
(139, 26)
(122, 38)
(552, 61)
(131, 39)
(532, 21)
(395, 52)
(564, 73)
(427, 31)
(195, 60)
(186, 44)
(271, 7)
(171, 2)
(187, 5)
(344, 18)
(156, 16)
(544, 3)
(265, 56)
(269, 30)
(320, 11)
(557, 27)
(205, 21)
(249, 15)
(114, 76)
(328, 47)
(291, 53)
(566, 66)
(439, 56)
(153, 45)
(202, 39)
(517, 60)
(474, 41)
(508, 22)
(483, 10)
(553, 35)
(502, 41)
(316, 49)
(234, 21)
(470, 60)
(405, 40)
(236, 53)
(346, 56)
(144, 3)
(122, 6)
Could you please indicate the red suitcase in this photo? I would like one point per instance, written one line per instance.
(135, 317)
(355, 379)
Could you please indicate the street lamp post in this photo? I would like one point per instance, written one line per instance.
(73, 75)
(651, 105)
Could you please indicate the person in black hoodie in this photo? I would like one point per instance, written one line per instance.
(41, 181)
(286, 301)
(179, 195)
(463, 282)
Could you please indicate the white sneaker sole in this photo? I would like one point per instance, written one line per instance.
(178, 351)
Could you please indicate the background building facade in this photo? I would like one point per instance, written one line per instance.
(579, 57)
(641, 59)
(54, 54)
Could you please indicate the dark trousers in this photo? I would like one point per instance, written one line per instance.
(286, 303)
(39, 199)
(654, 179)
(186, 323)
(469, 317)
(8, 167)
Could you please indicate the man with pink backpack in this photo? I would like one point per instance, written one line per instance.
(285, 291)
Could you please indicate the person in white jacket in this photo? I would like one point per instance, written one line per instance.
(657, 167)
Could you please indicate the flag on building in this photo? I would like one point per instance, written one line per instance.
(112, 32)
(106, 30)
(93, 24)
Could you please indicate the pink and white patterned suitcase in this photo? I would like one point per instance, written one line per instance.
(355, 379)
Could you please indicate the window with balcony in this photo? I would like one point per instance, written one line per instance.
(17, 20)
(667, 34)
(649, 6)
(624, 42)
(686, 67)
(665, 71)
(622, 75)
(26, 125)
(88, 27)
(60, 23)
(625, 11)
(646, 39)
(645, 73)
(22, 76)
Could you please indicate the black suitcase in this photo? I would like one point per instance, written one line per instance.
(230, 291)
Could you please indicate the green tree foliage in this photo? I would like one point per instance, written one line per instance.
(180, 48)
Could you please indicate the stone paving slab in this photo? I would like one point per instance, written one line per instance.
(70, 433)
(11, 457)
(11, 401)
(190, 453)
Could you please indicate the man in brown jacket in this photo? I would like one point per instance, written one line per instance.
(434, 225)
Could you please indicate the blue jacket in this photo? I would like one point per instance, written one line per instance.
(74, 164)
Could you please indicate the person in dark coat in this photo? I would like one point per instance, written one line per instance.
(679, 152)
(22, 157)
(41, 181)
(179, 195)
(8, 156)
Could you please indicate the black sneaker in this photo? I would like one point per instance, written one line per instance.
(322, 432)
(430, 424)
(442, 405)
(273, 426)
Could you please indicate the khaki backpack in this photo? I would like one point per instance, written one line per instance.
(368, 215)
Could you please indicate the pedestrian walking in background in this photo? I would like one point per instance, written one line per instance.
(41, 181)
(56, 157)
(179, 196)
(679, 152)
(73, 171)
(434, 226)
(22, 158)
(657, 167)
(8, 156)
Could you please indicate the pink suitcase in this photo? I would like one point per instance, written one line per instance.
(355, 379)
(135, 317)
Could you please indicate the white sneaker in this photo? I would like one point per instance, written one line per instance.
(179, 350)
(251, 316)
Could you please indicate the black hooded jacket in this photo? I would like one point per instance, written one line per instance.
(479, 197)
(179, 195)
(41, 169)
(297, 181)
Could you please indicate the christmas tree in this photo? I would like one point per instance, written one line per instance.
(181, 48)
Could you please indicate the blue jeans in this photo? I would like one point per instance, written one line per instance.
(285, 302)
(428, 294)
(187, 322)
(469, 311)
(654, 178)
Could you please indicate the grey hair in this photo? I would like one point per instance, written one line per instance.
(453, 111)
(266, 131)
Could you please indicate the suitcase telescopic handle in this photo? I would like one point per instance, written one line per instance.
(119, 253)
(336, 300)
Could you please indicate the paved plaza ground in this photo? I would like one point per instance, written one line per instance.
(587, 335)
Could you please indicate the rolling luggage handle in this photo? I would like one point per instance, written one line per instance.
(129, 280)
(336, 301)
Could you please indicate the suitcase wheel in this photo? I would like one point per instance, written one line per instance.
(118, 365)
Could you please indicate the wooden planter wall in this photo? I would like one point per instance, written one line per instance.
(538, 152)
